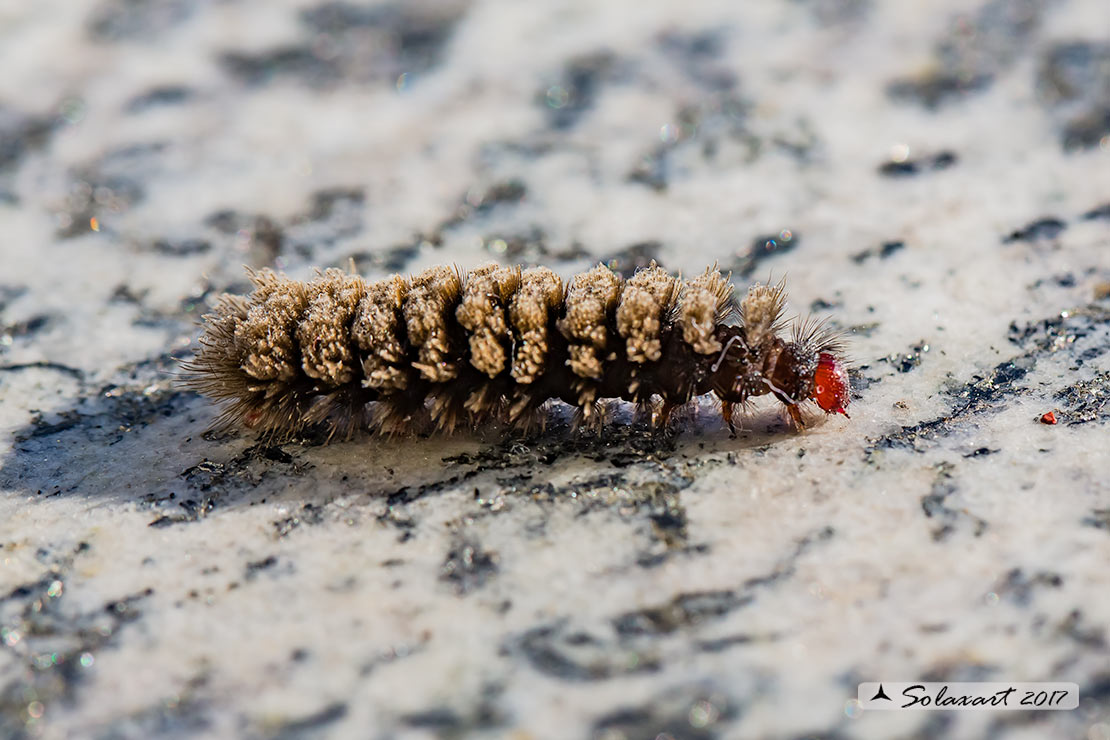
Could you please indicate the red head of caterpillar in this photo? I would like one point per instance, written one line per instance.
(448, 349)
(830, 384)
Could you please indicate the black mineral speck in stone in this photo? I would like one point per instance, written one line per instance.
(935, 506)
(562, 653)
(884, 251)
(21, 133)
(467, 566)
(1087, 130)
(1100, 213)
(936, 87)
(180, 248)
(295, 63)
(976, 48)
(391, 259)
(1085, 401)
(697, 712)
(255, 567)
(1098, 518)
(415, 34)
(1048, 227)
(312, 723)
(764, 248)
(1074, 71)
(632, 258)
(1073, 82)
(159, 96)
(575, 92)
(907, 361)
(684, 610)
(118, 20)
(981, 394)
(906, 167)
(890, 248)
(502, 193)
(697, 54)
(1020, 587)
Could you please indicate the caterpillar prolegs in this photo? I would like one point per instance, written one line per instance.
(448, 349)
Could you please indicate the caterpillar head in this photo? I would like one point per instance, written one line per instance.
(809, 368)
(830, 384)
(803, 370)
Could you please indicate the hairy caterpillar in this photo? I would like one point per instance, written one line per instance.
(455, 349)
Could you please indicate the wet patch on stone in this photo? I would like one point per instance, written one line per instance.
(102, 415)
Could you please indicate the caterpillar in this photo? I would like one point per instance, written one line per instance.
(451, 349)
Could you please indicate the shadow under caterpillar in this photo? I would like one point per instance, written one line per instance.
(452, 349)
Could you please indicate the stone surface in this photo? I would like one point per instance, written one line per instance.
(933, 176)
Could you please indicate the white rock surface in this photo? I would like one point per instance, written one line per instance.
(943, 171)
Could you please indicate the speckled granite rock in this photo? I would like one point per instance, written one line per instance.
(935, 176)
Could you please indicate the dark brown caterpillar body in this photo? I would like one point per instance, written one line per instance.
(496, 344)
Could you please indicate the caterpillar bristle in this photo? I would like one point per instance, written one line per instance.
(446, 350)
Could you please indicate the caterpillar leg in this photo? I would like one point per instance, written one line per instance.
(796, 416)
(591, 417)
(726, 414)
(663, 420)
